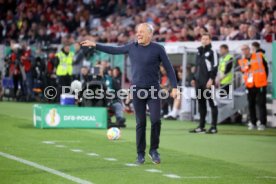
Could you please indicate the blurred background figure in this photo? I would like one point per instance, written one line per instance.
(206, 72)
(256, 48)
(27, 61)
(225, 69)
(78, 61)
(85, 75)
(116, 103)
(51, 66)
(255, 73)
(176, 103)
(16, 71)
(39, 78)
(166, 104)
(65, 67)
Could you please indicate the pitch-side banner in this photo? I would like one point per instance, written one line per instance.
(58, 116)
(274, 70)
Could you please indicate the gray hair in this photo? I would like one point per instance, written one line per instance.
(245, 46)
(149, 26)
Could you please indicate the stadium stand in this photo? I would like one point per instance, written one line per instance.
(114, 21)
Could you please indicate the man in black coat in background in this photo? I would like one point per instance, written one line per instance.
(204, 79)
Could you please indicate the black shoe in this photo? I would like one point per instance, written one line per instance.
(110, 125)
(154, 156)
(212, 130)
(121, 122)
(198, 130)
(170, 118)
(140, 159)
(122, 125)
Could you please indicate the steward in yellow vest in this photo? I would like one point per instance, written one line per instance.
(64, 69)
(65, 58)
(225, 68)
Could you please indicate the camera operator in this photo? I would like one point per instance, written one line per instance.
(39, 78)
(85, 75)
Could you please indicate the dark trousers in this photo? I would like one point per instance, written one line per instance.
(202, 107)
(257, 96)
(17, 80)
(64, 81)
(28, 85)
(140, 113)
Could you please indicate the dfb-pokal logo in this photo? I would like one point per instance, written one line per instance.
(53, 118)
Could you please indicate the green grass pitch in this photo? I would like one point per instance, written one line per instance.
(235, 155)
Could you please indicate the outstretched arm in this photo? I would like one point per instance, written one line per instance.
(105, 48)
(113, 49)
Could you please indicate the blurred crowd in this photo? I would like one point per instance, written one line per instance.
(53, 21)
(49, 74)
(26, 72)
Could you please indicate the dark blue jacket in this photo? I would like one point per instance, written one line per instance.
(145, 62)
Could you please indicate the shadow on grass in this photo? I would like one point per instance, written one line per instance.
(26, 126)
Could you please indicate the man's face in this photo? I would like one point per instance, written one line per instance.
(254, 49)
(251, 32)
(115, 73)
(84, 71)
(66, 48)
(245, 51)
(205, 40)
(222, 51)
(143, 34)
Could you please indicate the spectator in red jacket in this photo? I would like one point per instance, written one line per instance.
(26, 61)
(15, 71)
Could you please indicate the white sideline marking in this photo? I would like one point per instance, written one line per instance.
(200, 177)
(93, 154)
(44, 168)
(174, 176)
(76, 150)
(267, 177)
(131, 165)
(154, 170)
(48, 142)
(60, 146)
(110, 159)
(68, 141)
